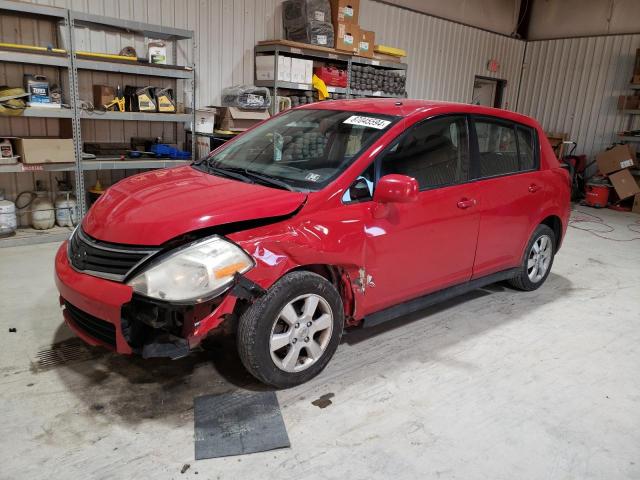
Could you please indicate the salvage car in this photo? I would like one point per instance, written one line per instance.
(331, 215)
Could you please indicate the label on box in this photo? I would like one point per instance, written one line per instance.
(348, 11)
(375, 62)
(364, 46)
(318, 15)
(348, 39)
(32, 168)
(371, 122)
(322, 39)
(626, 163)
(331, 89)
(296, 50)
(254, 100)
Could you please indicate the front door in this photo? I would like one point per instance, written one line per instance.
(416, 248)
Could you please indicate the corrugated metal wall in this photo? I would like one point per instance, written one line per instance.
(572, 86)
(444, 57)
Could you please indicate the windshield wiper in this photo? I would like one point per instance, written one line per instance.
(268, 179)
(231, 172)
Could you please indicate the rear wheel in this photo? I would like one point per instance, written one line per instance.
(537, 260)
(289, 335)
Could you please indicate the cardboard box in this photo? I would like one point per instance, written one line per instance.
(628, 102)
(636, 204)
(624, 184)
(367, 41)
(346, 11)
(45, 150)
(103, 95)
(265, 65)
(301, 70)
(205, 120)
(238, 120)
(619, 157)
(347, 37)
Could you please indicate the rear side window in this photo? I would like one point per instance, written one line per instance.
(526, 148)
(497, 147)
(504, 147)
(434, 152)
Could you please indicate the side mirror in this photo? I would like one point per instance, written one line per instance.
(395, 188)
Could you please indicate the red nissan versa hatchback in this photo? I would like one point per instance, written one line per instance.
(322, 217)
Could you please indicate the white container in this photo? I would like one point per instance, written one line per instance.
(42, 212)
(266, 63)
(6, 149)
(8, 219)
(157, 52)
(66, 209)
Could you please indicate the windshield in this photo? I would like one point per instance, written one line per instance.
(299, 150)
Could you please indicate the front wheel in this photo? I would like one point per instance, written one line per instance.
(289, 335)
(537, 260)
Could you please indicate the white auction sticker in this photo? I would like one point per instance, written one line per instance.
(372, 122)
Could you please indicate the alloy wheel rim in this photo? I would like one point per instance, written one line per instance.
(301, 333)
(539, 258)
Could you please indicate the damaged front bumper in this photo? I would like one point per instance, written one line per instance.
(109, 314)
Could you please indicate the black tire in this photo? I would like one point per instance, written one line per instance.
(522, 280)
(256, 324)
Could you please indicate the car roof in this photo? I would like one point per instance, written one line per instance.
(408, 108)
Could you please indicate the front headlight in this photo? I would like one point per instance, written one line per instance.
(194, 273)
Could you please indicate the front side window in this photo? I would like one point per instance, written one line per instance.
(300, 150)
(435, 153)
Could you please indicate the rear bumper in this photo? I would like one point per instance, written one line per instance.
(93, 310)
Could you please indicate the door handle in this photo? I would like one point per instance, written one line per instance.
(533, 188)
(466, 203)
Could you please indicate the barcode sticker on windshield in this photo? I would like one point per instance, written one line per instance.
(371, 122)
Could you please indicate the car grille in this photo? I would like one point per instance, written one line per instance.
(106, 260)
(92, 326)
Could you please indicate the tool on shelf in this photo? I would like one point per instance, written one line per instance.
(164, 100)
(145, 100)
(117, 104)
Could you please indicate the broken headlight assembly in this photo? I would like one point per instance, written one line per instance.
(193, 274)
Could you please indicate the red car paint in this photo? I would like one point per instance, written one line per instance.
(383, 254)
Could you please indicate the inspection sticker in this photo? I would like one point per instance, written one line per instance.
(371, 122)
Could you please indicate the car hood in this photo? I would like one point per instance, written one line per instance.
(154, 207)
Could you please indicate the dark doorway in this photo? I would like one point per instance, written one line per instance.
(488, 91)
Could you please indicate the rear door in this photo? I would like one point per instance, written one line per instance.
(416, 248)
(506, 166)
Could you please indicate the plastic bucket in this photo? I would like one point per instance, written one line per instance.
(596, 195)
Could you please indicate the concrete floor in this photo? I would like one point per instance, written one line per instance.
(497, 384)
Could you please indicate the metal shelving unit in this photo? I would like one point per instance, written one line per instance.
(136, 116)
(130, 164)
(312, 52)
(169, 71)
(74, 63)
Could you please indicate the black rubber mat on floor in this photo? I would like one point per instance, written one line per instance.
(236, 423)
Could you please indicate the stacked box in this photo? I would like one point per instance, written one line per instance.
(308, 21)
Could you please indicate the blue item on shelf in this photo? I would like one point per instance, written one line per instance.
(167, 151)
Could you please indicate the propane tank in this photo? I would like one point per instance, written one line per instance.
(8, 219)
(42, 211)
(66, 213)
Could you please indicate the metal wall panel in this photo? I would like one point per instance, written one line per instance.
(572, 86)
(444, 57)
